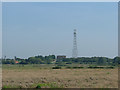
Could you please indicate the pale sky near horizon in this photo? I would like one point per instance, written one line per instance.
(31, 29)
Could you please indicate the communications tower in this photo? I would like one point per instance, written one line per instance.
(74, 51)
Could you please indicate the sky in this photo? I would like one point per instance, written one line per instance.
(46, 28)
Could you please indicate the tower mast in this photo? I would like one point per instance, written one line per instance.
(74, 51)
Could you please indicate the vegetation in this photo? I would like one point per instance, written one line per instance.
(42, 72)
(56, 67)
(27, 77)
(61, 62)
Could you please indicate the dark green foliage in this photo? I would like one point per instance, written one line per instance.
(101, 67)
(77, 67)
(99, 61)
(8, 61)
(38, 86)
(110, 67)
(116, 60)
(56, 67)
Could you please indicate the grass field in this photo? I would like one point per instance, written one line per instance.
(31, 77)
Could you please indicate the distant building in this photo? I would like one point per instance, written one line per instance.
(15, 59)
(59, 57)
(16, 62)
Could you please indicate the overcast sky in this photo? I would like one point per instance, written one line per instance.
(31, 29)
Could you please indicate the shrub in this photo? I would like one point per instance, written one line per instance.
(110, 67)
(77, 67)
(95, 67)
(38, 86)
(56, 67)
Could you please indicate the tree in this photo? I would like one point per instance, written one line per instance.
(100, 61)
(116, 60)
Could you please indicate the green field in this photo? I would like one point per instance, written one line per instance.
(50, 66)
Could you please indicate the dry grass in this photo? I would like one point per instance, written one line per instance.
(67, 78)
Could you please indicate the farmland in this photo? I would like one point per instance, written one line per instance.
(15, 76)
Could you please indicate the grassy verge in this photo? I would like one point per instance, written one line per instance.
(36, 85)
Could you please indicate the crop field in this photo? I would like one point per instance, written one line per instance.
(33, 77)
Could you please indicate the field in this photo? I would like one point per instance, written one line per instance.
(31, 77)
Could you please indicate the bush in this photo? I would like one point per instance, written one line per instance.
(109, 67)
(56, 67)
(38, 86)
(95, 67)
(77, 67)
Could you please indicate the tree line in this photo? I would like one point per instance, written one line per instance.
(51, 59)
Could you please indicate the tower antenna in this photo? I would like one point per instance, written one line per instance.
(74, 51)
